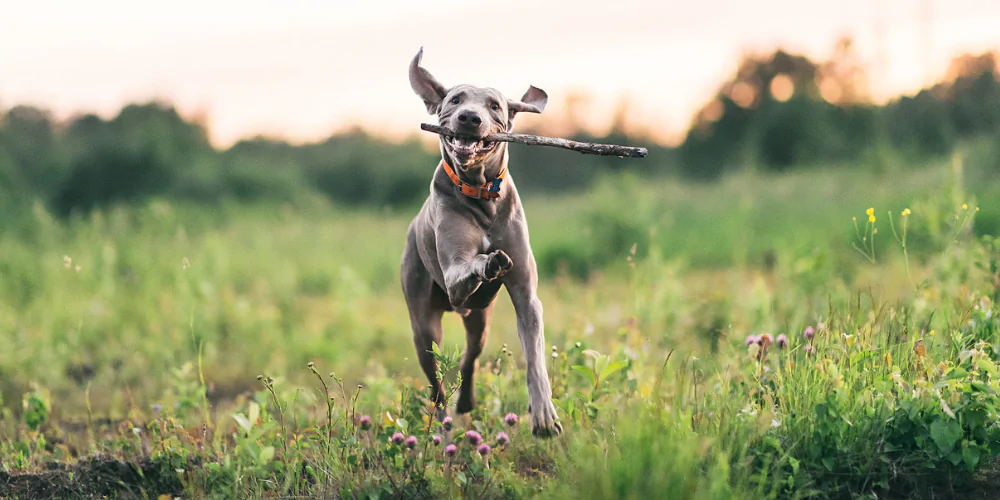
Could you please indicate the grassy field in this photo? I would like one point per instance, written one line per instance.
(134, 338)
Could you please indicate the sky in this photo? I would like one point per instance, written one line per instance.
(305, 69)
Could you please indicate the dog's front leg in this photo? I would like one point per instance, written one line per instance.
(464, 270)
(531, 330)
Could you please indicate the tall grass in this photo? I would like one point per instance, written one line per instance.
(147, 328)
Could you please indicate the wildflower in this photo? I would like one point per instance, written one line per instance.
(555, 355)
(870, 212)
(510, 419)
(906, 211)
(965, 206)
(437, 440)
(474, 437)
(820, 326)
(136, 431)
(502, 438)
(450, 450)
(484, 449)
(157, 408)
(766, 339)
(849, 339)
(810, 350)
(871, 218)
(782, 341)
(752, 339)
(398, 438)
(888, 359)
(933, 333)
(185, 263)
(366, 422)
(446, 423)
(809, 333)
(411, 442)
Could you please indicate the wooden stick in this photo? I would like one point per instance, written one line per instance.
(589, 148)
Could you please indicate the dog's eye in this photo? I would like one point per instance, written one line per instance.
(495, 107)
(454, 100)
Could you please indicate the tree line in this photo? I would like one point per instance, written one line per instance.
(778, 111)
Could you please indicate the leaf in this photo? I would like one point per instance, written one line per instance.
(828, 463)
(946, 434)
(947, 409)
(587, 372)
(401, 423)
(243, 422)
(795, 465)
(987, 365)
(970, 455)
(253, 410)
(611, 369)
(821, 410)
(266, 454)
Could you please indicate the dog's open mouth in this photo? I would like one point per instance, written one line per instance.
(469, 147)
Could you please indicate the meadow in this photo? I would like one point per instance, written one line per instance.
(764, 336)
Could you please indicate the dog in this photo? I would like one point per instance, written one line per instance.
(470, 238)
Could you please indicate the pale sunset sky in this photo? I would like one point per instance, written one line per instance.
(301, 70)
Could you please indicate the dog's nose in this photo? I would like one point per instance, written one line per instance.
(470, 118)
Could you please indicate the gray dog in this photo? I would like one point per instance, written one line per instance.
(470, 238)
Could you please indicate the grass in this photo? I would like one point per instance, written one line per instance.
(135, 337)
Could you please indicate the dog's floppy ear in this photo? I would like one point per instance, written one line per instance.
(425, 85)
(533, 101)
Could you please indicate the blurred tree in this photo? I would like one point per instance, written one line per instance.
(35, 161)
(141, 152)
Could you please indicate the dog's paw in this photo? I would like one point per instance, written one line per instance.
(543, 420)
(498, 265)
(466, 402)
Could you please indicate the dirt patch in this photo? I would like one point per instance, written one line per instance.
(96, 478)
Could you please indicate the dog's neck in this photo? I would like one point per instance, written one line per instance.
(482, 172)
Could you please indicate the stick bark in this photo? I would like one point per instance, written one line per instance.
(589, 148)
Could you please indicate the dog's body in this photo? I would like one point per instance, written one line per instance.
(465, 244)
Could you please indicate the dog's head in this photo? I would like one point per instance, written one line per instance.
(473, 111)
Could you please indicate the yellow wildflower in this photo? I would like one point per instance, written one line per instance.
(965, 206)
(870, 211)
(888, 359)
(906, 211)
(871, 218)
(933, 333)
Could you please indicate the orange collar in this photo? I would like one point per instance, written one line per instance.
(488, 191)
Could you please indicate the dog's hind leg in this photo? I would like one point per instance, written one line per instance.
(427, 329)
(477, 328)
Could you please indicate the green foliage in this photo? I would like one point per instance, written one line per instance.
(827, 116)
(135, 334)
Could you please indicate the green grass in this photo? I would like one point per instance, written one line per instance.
(184, 306)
